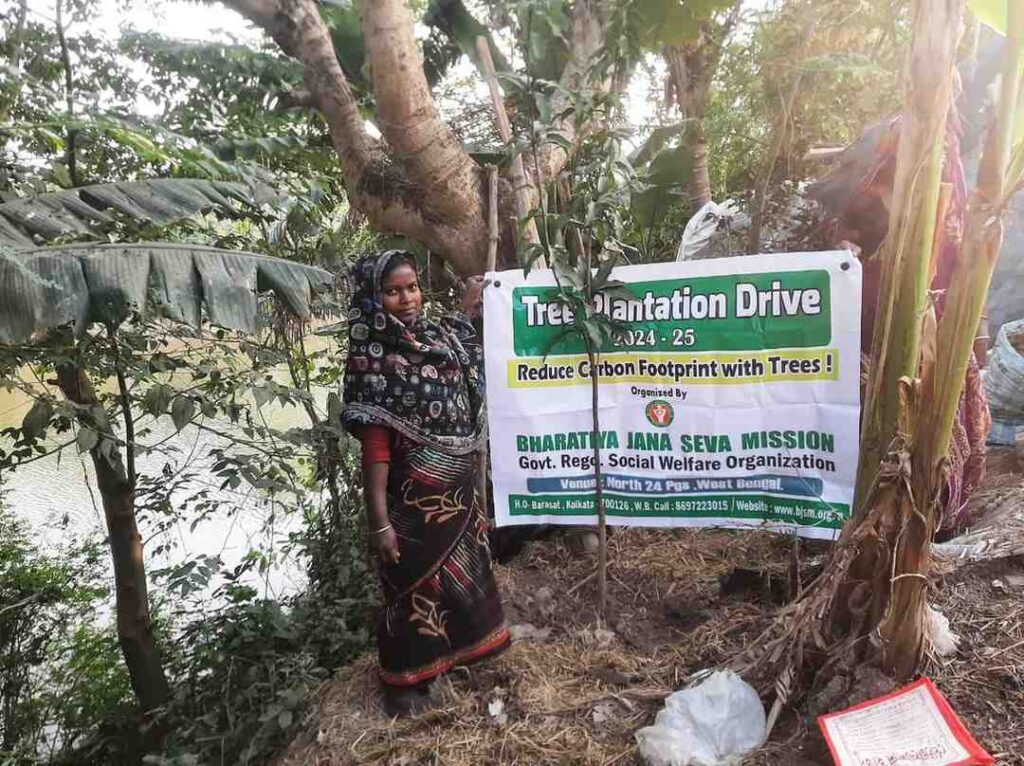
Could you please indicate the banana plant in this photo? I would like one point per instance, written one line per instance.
(27, 222)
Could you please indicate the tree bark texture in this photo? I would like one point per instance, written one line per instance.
(691, 68)
(134, 623)
(418, 181)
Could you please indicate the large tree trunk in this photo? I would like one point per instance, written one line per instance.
(691, 68)
(690, 79)
(418, 181)
(134, 624)
(420, 184)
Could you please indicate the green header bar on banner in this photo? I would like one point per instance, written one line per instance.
(747, 312)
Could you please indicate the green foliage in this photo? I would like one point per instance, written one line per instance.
(813, 71)
(213, 90)
(244, 671)
(664, 184)
(61, 673)
(545, 28)
(670, 22)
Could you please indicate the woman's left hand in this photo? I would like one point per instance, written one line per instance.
(472, 296)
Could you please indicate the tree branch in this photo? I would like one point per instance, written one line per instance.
(19, 604)
(72, 139)
(426, 188)
(408, 118)
(300, 98)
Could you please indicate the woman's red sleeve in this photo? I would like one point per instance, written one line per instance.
(376, 444)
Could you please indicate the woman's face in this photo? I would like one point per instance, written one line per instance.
(401, 293)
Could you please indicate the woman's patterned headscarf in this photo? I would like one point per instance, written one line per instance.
(423, 379)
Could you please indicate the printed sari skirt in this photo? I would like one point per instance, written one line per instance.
(441, 604)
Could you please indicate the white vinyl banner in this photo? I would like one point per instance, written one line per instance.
(729, 396)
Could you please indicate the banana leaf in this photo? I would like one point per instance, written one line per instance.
(45, 288)
(29, 221)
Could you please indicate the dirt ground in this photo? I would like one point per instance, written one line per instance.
(573, 689)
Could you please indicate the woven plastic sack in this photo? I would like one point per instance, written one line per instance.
(1004, 379)
(715, 723)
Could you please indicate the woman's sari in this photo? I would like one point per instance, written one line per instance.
(441, 603)
(424, 382)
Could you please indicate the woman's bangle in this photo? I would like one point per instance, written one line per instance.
(385, 528)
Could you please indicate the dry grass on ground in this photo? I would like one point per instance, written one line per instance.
(574, 689)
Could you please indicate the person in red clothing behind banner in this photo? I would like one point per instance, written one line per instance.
(414, 394)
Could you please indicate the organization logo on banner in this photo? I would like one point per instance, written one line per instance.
(660, 413)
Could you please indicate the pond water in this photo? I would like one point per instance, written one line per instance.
(56, 497)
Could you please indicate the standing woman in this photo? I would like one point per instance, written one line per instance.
(414, 395)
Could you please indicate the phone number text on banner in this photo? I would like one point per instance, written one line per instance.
(729, 396)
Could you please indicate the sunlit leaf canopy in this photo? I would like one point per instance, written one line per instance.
(46, 288)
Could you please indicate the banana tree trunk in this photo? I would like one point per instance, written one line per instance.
(895, 515)
(134, 623)
(907, 251)
(943, 381)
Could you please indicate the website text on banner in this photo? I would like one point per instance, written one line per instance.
(730, 398)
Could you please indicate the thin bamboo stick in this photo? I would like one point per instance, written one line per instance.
(492, 264)
(492, 217)
(521, 186)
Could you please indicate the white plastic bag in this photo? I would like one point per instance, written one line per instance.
(715, 723)
(943, 640)
(707, 233)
